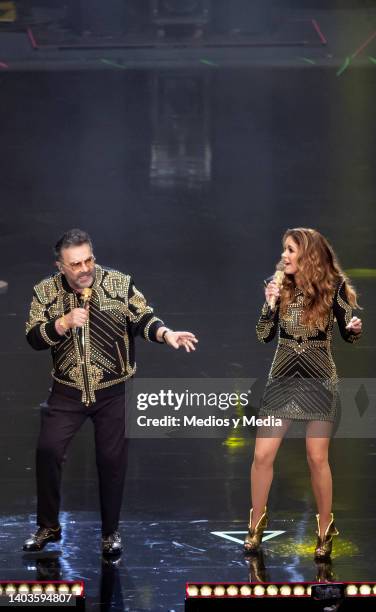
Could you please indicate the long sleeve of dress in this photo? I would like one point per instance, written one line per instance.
(343, 313)
(267, 324)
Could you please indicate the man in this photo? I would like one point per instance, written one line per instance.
(88, 316)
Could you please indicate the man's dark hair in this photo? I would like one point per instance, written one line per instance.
(73, 237)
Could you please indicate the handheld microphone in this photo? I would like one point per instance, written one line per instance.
(278, 277)
(86, 295)
(85, 298)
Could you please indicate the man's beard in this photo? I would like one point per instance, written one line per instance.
(89, 279)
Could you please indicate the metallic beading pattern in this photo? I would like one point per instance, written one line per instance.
(267, 324)
(147, 328)
(303, 382)
(106, 356)
(45, 337)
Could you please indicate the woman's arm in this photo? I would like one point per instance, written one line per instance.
(267, 324)
(350, 327)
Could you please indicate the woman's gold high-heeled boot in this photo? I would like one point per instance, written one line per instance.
(254, 536)
(324, 544)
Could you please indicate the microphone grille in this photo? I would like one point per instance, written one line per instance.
(279, 273)
(86, 294)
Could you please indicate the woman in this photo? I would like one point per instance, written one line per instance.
(302, 383)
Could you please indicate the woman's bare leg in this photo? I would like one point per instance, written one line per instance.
(266, 448)
(317, 445)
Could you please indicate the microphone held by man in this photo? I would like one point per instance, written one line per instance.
(77, 317)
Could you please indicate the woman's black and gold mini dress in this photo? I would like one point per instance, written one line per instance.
(302, 383)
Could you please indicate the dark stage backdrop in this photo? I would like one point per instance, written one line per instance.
(187, 180)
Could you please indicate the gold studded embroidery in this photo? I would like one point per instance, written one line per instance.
(89, 370)
(346, 307)
(110, 383)
(107, 303)
(94, 364)
(54, 310)
(266, 311)
(109, 365)
(292, 321)
(96, 374)
(300, 347)
(120, 359)
(116, 284)
(65, 360)
(76, 376)
(137, 300)
(41, 309)
(65, 381)
(36, 314)
(314, 360)
(348, 315)
(265, 323)
(147, 327)
(302, 382)
(129, 369)
(46, 290)
(103, 385)
(263, 329)
(139, 307)
(46, 338)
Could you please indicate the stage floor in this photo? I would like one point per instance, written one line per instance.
(186, 522)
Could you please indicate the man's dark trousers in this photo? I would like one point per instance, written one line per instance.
(60, 420)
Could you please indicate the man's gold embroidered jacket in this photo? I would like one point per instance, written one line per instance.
(102, 352)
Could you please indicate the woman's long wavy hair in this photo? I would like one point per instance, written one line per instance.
(318, 275)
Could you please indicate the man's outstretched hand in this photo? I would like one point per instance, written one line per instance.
(176, 339)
